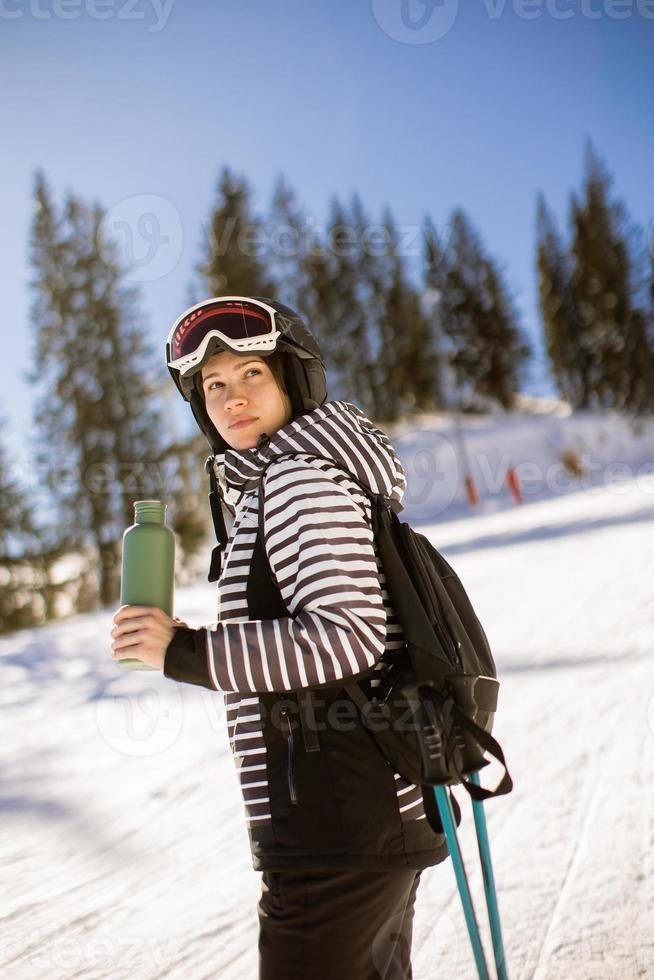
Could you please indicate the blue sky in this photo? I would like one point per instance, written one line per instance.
(147, 104)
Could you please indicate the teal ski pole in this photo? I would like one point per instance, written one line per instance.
(449, 827)
(489, 883)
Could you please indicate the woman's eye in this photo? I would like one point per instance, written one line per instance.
(215, 384)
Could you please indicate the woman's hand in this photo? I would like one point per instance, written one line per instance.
(143, 632)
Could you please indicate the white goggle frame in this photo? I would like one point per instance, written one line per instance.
(261, 343)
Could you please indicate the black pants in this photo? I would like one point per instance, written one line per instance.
(336, 925)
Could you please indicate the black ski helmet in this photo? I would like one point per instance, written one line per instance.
(305, 376)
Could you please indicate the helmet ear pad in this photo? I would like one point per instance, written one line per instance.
(303, 376)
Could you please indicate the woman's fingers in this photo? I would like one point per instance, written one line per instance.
(132, 625)
(142, 631)
(125, 613)
(119, 628)
(129, 618)
(131, 640)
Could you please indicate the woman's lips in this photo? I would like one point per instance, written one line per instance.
(242, 423)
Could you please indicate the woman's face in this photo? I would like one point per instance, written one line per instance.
(242, 388)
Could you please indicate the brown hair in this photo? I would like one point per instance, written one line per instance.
(276, 365)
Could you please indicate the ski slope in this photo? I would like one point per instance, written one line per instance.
(124, 851)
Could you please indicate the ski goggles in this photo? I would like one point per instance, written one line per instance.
(238, 323)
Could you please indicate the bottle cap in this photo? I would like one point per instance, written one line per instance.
(149, 511)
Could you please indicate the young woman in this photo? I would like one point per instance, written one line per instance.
(302, 612)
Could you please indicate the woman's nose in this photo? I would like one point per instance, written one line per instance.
(234, 396)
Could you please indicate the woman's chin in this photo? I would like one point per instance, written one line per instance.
(241, 440)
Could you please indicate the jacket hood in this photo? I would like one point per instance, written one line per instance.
(337, 430)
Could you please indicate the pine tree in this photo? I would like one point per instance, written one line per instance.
(408, 348)
(304, 271)
(288, 246)
(348, 303)
(234, 264)
(610, 333)
(187, 490)
(640, 357)
(462, 307)
(332, 272)
(480, 320)
(91, 368)
(640, 334)
(649, 317)
(435, 284)
(369, 352)
(20, 604)
(326, 287)
(186, 483)
(317, 301)
(558, 310)
(505, 348)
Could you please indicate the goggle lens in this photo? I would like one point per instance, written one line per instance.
(237, 321)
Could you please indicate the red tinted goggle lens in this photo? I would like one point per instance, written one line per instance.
(237, 322)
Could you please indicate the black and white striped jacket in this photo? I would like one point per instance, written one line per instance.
(340, 622)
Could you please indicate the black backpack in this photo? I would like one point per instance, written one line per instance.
(431, 709)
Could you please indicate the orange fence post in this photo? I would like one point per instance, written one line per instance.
(513, 483)
(471, 491)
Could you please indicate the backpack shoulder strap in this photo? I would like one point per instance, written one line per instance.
(381, 499)
(218, 518)
(305, 698)
(352, 688)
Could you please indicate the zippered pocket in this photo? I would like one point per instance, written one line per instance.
(449, 645)
(290, 741)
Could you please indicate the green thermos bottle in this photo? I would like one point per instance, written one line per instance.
(148, 567)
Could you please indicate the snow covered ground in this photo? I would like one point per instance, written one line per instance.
(123, 850)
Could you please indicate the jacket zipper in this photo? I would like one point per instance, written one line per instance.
(284, 715)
